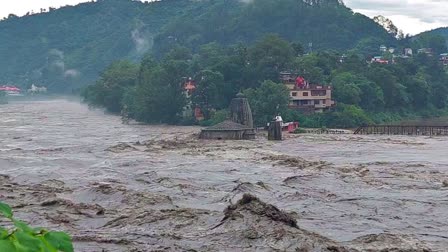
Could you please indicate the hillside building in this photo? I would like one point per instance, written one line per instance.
(191, 109)
(408, 52)
(379, 60)
(427, 51)
(444, 59)
(306, 97)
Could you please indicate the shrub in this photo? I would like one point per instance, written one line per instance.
(22, 238)
(300, 131)
(217, 117)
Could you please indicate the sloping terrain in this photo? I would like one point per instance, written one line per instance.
(67, 48)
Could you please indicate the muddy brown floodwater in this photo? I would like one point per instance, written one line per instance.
(132, 187)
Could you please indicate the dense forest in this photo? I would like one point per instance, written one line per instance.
(67, 48)
(152, 91)
(137, 56)
(443, 32)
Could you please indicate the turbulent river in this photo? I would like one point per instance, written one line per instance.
(117, 187)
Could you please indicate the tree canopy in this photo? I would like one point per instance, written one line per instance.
(364, 92)
(68, 48)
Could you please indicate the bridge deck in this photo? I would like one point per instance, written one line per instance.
(402, 130)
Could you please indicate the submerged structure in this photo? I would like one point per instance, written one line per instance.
(239, 127)
(228, 130)
(240, 111)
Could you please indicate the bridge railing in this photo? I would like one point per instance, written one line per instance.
(402, 130)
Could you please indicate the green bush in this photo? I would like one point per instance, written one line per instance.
(348, 116)
(217, 117)
(300, 131)
(22, 238)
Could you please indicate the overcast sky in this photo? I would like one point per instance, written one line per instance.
(412, 16)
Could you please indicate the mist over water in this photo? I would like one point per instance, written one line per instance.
(123, 187)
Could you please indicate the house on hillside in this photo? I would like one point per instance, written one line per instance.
(306, 97)
(379, 60)
(443, 58)
(408, 52)
(427, 51)
(191, 109)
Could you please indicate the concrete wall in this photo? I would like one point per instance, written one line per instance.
(228, 135)
(222, 135)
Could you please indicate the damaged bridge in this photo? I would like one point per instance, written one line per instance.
(415, 130)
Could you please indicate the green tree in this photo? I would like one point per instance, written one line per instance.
(23, 238)
(159, 94)
(346, 89)
(357, 90)
(308, 67)
(269, 56)
(210, 92)
(348, 116)
(395, 94)
(267, 101)
(109, 89)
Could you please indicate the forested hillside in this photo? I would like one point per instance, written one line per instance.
(327, 24)
(440, 31)
(366, 93)
(67, 48)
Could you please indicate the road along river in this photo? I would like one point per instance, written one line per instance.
(133, 187)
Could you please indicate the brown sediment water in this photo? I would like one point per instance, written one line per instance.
(118, 187)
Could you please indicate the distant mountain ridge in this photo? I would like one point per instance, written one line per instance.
(67, 48)
(443, 31)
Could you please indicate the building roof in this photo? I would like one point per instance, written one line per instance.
(190, 85)
(227, 125)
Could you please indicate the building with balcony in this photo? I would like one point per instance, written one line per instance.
(306, 97)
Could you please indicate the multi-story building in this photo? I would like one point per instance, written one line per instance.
(306, 97)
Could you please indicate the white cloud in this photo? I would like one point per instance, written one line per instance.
(21, 7)
(412, 16)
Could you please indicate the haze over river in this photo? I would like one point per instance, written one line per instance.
(134, 187)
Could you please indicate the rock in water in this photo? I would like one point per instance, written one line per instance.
(240, 111)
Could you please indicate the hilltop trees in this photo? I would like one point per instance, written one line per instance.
(92, 35)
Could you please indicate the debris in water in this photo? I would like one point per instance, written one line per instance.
(256, 206)
(445, 183)
(121, 147)
(296, 162)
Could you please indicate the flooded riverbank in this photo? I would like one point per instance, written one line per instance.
(149, 188)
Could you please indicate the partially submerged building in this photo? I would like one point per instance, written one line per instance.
(240, 126)
(228, 130)
(306, 97)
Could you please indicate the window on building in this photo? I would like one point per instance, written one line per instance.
(305, 93)
(319, 93)
(316, 102)
(324, 101)
(294, 94)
